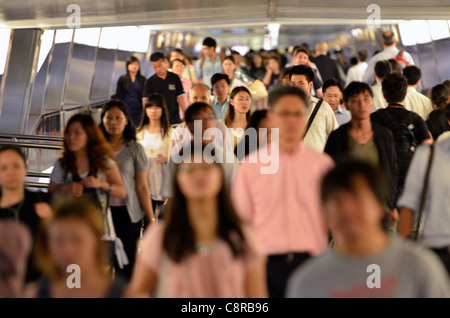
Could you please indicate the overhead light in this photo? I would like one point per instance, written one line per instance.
(216, 32)
(406, 33)
(438, 29)
(87, 36)
(5, 36)
(45, 47)
(239, 31)
(421, 31)
(63, 36)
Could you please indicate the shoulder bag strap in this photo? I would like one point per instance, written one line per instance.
(313, 115)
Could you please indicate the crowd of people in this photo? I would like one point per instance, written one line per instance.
(262, 175)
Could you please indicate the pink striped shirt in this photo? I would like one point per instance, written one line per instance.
(284, 208)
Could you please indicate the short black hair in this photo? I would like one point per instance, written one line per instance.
(388, 38)
(210, 42)
(356, 88)
(302, 70)
(342, 176)
(194, 109)
(439, 95)
(304, 50)
(177, 60)
(218, 77)
(394, 87)
(331, 82)
(363, 55)
(156, 57)
(282, 91)
(229, 57)
(382, 68)
(412, 74)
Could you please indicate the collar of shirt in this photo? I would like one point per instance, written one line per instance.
(216, 101)
(339, 110)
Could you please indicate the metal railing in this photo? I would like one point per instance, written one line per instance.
(43, 141)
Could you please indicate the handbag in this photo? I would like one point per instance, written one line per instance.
(258, 90)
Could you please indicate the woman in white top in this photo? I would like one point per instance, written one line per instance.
(155, 134)
(238, 113)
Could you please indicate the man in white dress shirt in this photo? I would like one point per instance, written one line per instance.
(356, 72)
(414, 100)
(390, 51)
(324, 122)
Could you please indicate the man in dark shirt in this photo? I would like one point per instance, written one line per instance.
(168, 84)
(328, 67)
(364, 140)
(394, 88)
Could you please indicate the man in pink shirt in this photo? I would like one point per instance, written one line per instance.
(284, 207)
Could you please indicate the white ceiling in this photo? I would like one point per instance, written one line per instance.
(313, 19)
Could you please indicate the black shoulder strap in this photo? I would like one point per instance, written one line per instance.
(313, 115)
(400, 53)
(423, 196)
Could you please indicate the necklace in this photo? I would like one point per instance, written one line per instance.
(206, 248)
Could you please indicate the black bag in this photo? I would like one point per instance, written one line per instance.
(404, 140)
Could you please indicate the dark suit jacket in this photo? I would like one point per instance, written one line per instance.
(328, 68)
(337, 148)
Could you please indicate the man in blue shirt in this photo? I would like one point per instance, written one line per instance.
(210, 62)
(221, 88)
(332, 94)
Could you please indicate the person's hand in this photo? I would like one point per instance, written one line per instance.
(91, 182)
(43, 209)
(393, 217)
(268, 69)
(161, 159)
(76, 189)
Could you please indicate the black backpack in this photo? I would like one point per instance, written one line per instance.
(404, 140)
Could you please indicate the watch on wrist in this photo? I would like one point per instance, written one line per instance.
(110, 188)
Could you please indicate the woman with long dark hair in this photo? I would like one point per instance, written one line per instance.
(155, 135)
(201, 249)
(238, 113)
(130, 89)
(130, 156)
(87, 168)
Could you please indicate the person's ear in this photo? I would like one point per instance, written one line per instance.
(311, 84)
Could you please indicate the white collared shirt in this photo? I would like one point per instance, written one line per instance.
(378, 99)
(324, 123)
(356, 73)
(418, 103)
(386, 54)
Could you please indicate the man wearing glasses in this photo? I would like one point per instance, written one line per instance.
(321, 119)
(332, 94)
